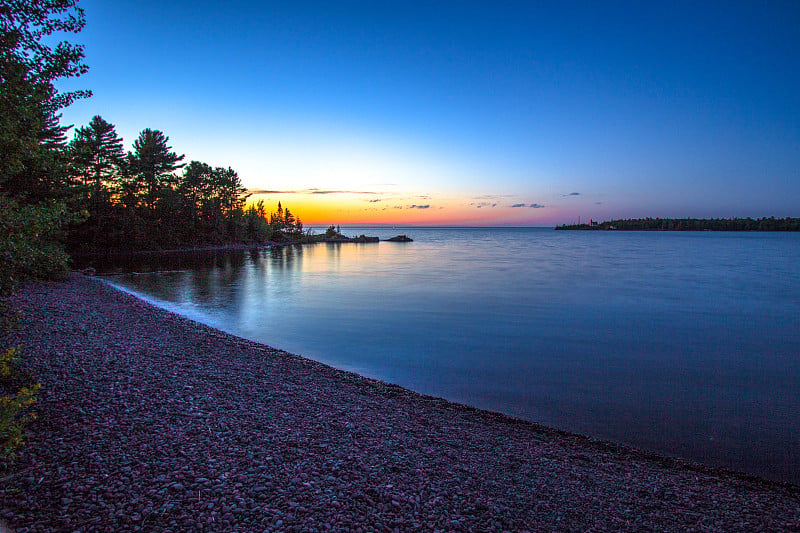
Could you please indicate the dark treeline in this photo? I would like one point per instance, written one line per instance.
(87, 192)
(148, 199)
(691, 224)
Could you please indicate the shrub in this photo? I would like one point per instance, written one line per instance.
(15, 407)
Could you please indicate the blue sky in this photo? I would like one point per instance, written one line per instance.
(468, 108)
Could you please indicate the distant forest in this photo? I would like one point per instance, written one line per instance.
(691, 224)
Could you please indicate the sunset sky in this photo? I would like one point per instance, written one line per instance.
(464, 113)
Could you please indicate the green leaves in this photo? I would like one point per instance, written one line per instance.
(30, 241)
(152, 163)
(32, 163)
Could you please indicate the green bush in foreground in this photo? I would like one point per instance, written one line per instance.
(16, 406)
(30, 247)
(31, 242)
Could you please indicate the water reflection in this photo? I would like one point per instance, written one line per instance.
(681, 343)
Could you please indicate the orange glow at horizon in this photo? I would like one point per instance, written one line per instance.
(359, 209)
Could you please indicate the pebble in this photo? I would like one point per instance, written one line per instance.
(184, 428)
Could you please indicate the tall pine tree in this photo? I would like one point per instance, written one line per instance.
(95, 157)
(151, 165)
(32, 162)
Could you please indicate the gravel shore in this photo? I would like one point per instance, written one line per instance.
(152, 422)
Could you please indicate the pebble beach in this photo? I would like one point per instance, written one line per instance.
(148, 421)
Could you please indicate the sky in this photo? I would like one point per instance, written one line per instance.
(464, 113)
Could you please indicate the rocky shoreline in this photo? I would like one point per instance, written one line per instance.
(151, 422)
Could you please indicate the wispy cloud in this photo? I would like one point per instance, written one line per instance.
(481, 205)
(310, 191)
(537, 206)
(519, 205)
(328, 191)
(426, 206)
(375, 200)
(572, 194)
(493, 196)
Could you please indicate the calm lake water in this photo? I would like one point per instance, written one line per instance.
(682, 343)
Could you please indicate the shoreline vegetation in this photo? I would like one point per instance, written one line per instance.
(689, 224)
(150, 421)
(111, 259)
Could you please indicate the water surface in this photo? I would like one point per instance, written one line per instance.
(681, 343)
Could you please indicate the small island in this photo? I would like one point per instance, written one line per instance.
(690, 224)
(334, 234)
(400, 238)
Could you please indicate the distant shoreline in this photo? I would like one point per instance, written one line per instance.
(770, 224)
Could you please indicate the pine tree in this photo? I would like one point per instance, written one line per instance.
(152, 164)
(95, 156)
(32, 162)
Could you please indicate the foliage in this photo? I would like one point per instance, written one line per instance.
(30, 247)
(15, 407)
(151, 166)
(30, 241)
(32, 163)
(95, 155)
(141, 202)
(692, 224)
(285, 226)
(334, 232)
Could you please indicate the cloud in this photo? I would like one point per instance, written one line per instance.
(519, 205)
(375, 200)
(426, 206)
(537, 206)
(598, 203)
(493, 196)
(484, 204)
(326, 191)
(572, 194)
(309, 191)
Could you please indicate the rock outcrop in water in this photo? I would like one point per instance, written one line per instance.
(400, 238)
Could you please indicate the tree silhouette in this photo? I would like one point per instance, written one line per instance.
(151, 165)
(32, 162)
(95, 157)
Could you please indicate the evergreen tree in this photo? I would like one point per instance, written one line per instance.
(195, 183)
(152, 164)
(228, 188)
(32, 162)
(95, 157)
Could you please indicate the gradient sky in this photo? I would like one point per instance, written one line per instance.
(464, 113)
